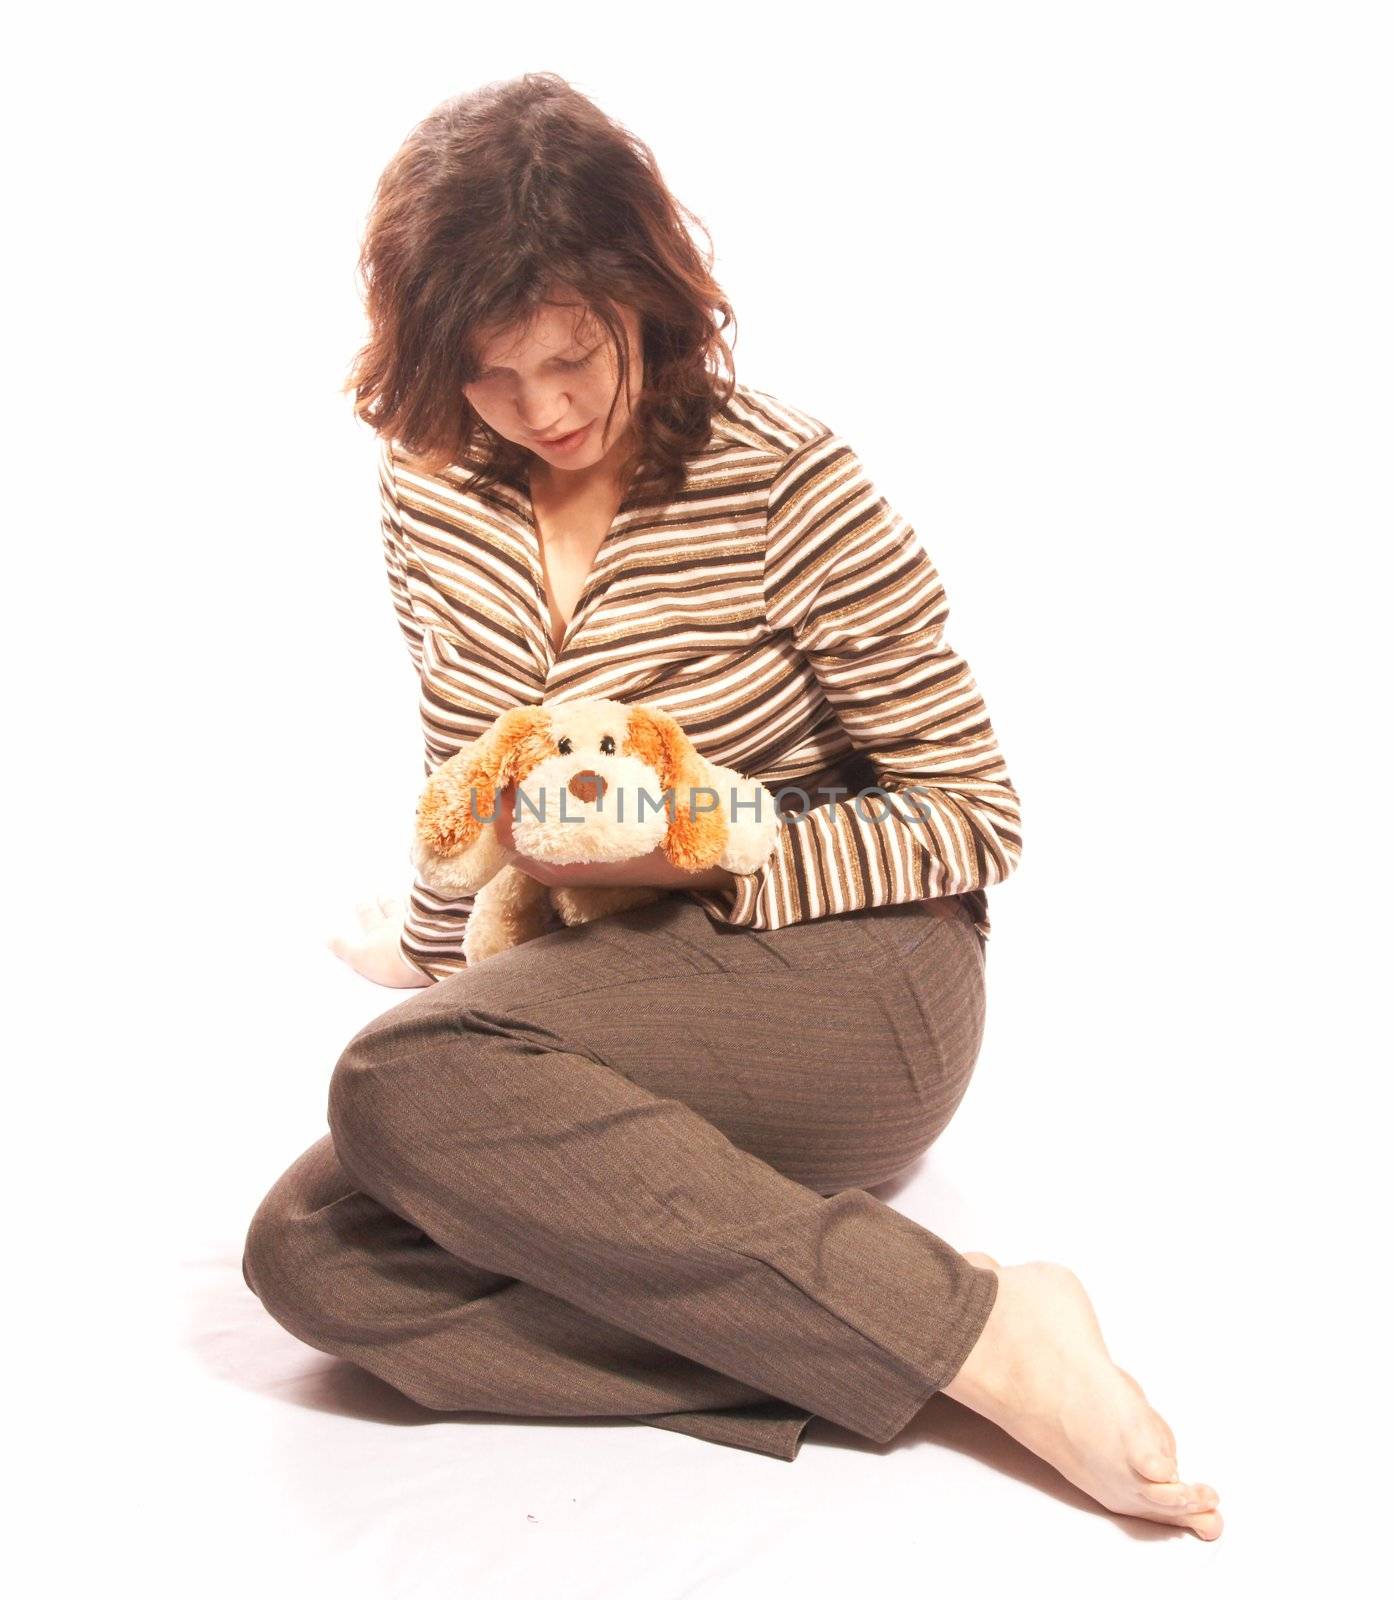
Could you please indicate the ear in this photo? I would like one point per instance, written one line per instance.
(461, 795)
(695, 838)
(657, 739)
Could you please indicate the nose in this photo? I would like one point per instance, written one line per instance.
(587, 786)
(537, 404)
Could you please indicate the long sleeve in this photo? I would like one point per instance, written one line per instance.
(434, 927)
(862, 607)
(394, 553)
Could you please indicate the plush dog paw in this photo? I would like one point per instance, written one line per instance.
(587, 903)
(510, 909)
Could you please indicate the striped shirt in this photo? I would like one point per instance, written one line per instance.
(778, 608)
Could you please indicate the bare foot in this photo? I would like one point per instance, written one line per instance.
(370, 944)
(1040, 1371)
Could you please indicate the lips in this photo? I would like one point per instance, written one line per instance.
(566, 444)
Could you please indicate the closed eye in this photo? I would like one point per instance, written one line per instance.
(568, 366)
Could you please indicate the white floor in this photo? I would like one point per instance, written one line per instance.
(1101, 293)
(1186, 1156)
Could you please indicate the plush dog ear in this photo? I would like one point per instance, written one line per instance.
(694, 838)
(656, 739)
(446, 822)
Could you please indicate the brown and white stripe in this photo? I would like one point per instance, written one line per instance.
(778, 607)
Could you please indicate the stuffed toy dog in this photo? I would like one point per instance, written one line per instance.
(596, 780)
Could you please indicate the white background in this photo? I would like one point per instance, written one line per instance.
(1102, 295)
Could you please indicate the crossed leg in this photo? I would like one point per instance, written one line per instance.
(622, 1171)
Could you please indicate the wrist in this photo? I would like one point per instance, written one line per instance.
(711, 879)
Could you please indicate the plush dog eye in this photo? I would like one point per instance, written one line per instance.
(607, 745)
(564, 747)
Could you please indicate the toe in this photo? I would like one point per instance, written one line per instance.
(1151, 1445)
(1149, 1458)
(1208, 1524)
(1168, 1496)
(1151, 1450)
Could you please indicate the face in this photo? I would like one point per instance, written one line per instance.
(554, 378)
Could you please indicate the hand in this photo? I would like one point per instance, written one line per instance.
(653, 870)
(369, 943)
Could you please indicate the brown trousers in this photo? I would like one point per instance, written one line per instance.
(622, 1171)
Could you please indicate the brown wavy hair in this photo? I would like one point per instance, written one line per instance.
(499, 199)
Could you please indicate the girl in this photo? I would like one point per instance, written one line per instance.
(623, 1169)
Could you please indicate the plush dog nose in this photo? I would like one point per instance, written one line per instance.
(587, 786)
